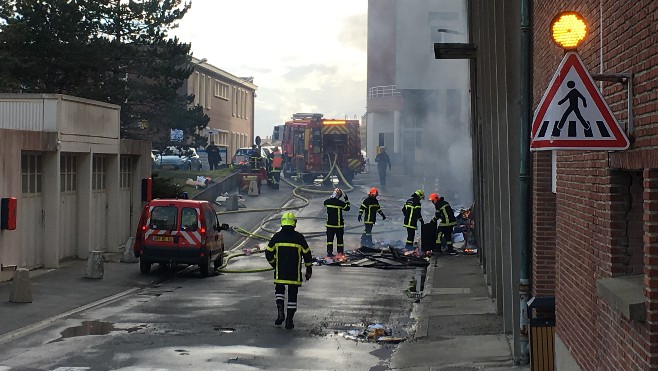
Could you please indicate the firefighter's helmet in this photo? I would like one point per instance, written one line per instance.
(337, 193)
(434, 197)
(420, 194)
(373, 192)
(288, 219)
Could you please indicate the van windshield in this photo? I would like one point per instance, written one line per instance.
(164, 217)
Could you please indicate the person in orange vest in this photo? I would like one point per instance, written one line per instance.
(276, 163)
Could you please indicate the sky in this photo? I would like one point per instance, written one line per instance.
(304, 55)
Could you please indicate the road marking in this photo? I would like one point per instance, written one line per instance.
(24, 331)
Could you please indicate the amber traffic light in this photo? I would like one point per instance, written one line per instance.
(568, 30)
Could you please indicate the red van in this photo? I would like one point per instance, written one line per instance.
(173, 231)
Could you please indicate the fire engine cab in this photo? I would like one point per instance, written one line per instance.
(313, 146)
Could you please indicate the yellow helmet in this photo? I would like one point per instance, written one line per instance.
(420, 194)
(288, 219)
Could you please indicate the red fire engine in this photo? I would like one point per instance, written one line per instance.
(312, 144)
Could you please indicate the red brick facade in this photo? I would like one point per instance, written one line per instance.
(603, 219)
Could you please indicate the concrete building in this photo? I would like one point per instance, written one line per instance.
(229, 102)
(595, 223)
(417, 106)
(77, 183)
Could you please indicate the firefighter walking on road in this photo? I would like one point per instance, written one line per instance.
(285, 252)
(335, 222)
(447, 221)
(412, 214)
(368, 211)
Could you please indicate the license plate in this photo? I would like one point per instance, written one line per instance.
(163, 238)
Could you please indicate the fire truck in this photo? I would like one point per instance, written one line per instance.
(314, 146)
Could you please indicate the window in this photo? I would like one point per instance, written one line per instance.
(188, 219)
(202, 90)
(31, 173)
(68, 173)
(211, 219)
(125, 172)
(221, 90)
(98, 173)
(235, 101)
(164, 217)
(209, 93)
(246, 105)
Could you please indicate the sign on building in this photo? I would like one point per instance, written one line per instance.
(573, 114)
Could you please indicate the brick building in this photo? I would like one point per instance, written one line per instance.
(595, 214)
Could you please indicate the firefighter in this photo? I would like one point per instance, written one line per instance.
(412, 214)
(285, 253)
(276, 162)
(335, 222)
(370, 207)
(447, 221)
(255, 159)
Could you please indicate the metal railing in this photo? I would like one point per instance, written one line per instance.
(383, 91)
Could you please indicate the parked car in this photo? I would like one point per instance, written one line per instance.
(177, 158)
(177, 231)
(241, 157)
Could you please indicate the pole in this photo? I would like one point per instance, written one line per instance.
(525, 177)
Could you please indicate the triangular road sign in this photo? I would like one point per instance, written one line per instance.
(572, 113)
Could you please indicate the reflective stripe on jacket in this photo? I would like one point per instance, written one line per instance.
(444, 214)
(285, 252)
(335, 208)
(370, 207)
(411, 212)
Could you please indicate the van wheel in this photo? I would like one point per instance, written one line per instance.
(204, 267)
(144, 266)
(219, 261)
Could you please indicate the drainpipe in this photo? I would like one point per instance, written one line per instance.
(525, 178)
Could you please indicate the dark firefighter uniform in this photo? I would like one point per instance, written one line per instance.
(447, 221)
(335, 222)
(255, 160)
(412, 214)
(368, 211)
(285, 253)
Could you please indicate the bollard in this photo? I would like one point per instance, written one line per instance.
(129, 252)
(253, 188)
(21, 289)
(232, 203)
(95, 265)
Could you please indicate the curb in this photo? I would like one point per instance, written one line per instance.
(419, 311)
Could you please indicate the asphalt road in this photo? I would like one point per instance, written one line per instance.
(226, 321)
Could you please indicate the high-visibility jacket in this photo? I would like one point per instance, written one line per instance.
(285, 253)
(411, 212)
(444, 214)
(277, 161)
(255, 160)
(369, 208)
(335, 208)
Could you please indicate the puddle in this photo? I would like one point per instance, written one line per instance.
(94, 328)
(226, 330)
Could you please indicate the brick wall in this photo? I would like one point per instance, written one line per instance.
(543, 226)
(606, 205)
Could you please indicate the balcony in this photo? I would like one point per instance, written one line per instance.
(383, 91)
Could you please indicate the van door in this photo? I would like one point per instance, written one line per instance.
(160, 238)
(190, 240)
(212, 240)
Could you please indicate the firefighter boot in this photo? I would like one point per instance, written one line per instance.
(289, 323)
(281, 313)
(364, 240)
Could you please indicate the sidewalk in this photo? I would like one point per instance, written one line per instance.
(457, 325)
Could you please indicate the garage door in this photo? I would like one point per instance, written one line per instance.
(31, 215)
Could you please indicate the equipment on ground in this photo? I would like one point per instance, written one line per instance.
(312, 145)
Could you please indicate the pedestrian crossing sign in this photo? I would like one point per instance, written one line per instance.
(572, 113)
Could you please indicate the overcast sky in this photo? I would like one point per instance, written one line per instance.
(304, 55)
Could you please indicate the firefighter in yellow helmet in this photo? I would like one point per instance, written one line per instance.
(412, 214)
(368, 211)
(285, 253)
(447, 222)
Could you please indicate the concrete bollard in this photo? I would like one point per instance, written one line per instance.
(253, 188)
(21, 288)
(129, 252)
(95, 265)
(232, 203)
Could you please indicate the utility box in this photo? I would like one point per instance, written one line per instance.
(541, 313)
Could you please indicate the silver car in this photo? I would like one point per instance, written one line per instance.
(177, 158)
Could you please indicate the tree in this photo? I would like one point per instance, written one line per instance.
(114, 51)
